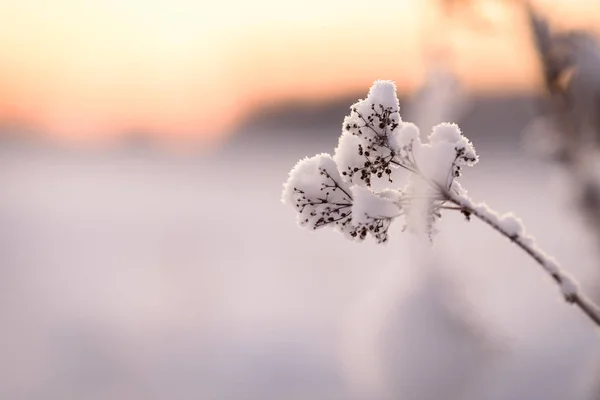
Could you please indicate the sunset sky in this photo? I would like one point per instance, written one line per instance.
(84, 69)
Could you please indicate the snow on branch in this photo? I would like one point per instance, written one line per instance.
(339, 191)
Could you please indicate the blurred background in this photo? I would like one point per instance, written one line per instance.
(144, 251)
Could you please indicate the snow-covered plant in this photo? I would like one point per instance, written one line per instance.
(381, 172)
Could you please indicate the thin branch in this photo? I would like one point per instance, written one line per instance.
(336, 184)
(528, 245)
(586, 305)
(398, 164)
(451, 208)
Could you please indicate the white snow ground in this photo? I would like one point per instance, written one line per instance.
(139, 275)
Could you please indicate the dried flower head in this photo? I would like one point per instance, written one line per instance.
(375, 143)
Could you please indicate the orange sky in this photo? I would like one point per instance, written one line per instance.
(85, 69)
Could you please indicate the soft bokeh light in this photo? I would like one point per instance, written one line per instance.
(84, 69)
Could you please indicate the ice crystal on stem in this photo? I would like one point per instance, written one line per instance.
(375, 143)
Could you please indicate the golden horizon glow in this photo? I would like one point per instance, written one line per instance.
(82, 69)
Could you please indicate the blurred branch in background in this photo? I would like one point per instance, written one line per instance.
(570, 129)
(416, 337)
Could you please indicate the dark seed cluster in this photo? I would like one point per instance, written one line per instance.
(466, 213)
(377, 227)
(461, 158)
(376, 150)
(381, 122)
(320, 211)
(466, 159)
(377, 165)
(331, 207)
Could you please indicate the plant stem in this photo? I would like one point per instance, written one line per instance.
(528, 245)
